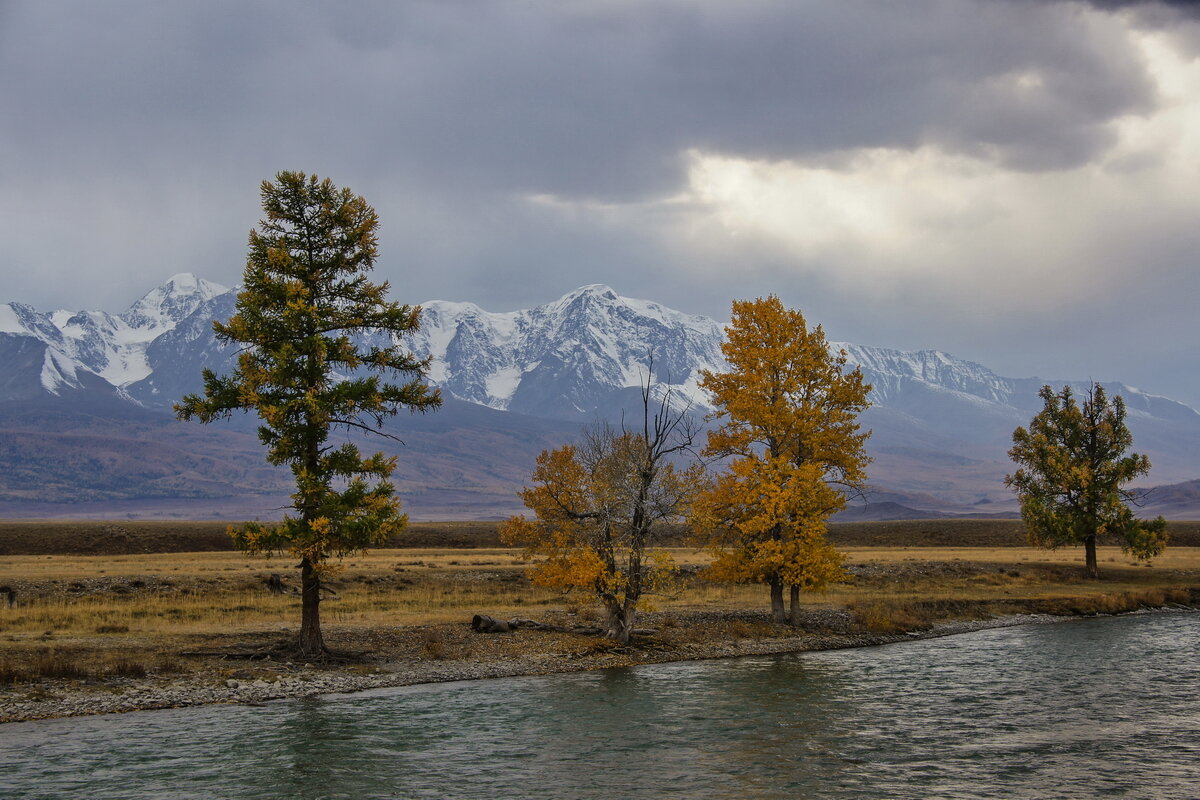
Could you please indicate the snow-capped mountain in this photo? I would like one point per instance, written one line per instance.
(111, 347)
(571, 357)
(941, 425)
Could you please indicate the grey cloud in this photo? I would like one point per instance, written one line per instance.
(1183, 5)
(134, 134)
(591, 101)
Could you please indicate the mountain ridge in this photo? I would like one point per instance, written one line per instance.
(483, 357)
(941, 425)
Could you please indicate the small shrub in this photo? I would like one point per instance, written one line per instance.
(45, 664)
(112, 629)
(125, 668)
(1154, 598)
(740, 629)
(433, 645)
(881, 618)
(1183, 596)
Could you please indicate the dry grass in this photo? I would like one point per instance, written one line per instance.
(1172, 557)
(963, 532)
(97, 537)
(87, 617)
(195, 592)
(49, 537)
(73, 663)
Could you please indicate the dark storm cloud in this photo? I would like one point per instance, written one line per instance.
(571, 99)
(158, 119)
(133, 135)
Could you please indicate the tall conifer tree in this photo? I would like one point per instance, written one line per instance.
(305, 295)
(1073, 462)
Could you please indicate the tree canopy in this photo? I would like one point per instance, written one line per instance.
(598, 507)
(791, 439)
(1073, 463)
(304, 301)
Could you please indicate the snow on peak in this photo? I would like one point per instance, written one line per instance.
(58, 372)
(589, 342)
(595, 290)
(110, 346)
(9, 321)
(161, 308)
(187, 283)
(582, 351)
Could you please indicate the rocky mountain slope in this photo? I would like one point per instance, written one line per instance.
(519, 380)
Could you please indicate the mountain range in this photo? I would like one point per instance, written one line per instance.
(86, 427)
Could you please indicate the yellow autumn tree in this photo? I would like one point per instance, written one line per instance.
(598, 508)
(793, 449)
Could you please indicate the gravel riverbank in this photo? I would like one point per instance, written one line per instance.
(538, 654)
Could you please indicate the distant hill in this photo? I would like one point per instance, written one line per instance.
(1175, 501)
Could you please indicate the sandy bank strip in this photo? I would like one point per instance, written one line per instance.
(67, 701)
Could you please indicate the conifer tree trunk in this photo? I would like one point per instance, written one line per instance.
(778, 613)
(1089, 549)
(312, 643)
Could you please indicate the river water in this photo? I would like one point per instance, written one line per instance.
(1104, 707)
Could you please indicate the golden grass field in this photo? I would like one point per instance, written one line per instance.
(98, 602)
(178, 592)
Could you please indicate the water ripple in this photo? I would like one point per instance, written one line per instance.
(1091, 708)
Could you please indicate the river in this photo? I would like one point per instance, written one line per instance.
(1106, 707)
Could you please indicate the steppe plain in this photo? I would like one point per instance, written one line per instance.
(117, 616)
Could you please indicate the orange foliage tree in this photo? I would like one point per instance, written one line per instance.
(791, 439)
(598, 507)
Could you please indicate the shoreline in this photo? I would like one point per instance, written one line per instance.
(63, 700)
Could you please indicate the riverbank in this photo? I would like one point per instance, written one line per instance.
(536, 653)
(92, 634)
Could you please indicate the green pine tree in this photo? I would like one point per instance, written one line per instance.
(1073, 465)
(305, 295)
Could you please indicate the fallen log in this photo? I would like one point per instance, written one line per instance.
(482, 623)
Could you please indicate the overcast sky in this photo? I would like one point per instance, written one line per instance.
(1016, 182)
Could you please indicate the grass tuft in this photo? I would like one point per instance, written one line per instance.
(44, 664)
(433, 645)
(885, 617)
